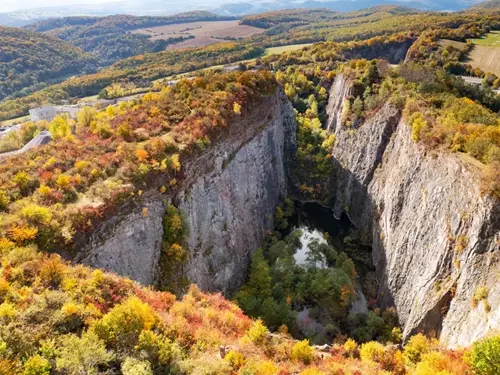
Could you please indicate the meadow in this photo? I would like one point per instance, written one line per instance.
(485, 54)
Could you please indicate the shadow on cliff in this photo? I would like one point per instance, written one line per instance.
(351, 198)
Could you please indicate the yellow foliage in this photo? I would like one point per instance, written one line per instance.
(372, 351)
(258, 333)
(176, 164)
(63, 181)
(44, 190)
(235, 359)
(236, 108)
(266, 368)
(21, 234)
(350, 347)
(36, 214)
(7, 310)
(70, 308)
(312, 371)
(5, 245)
(303, 352)
(416, 347)
(81, 165)
(126, 321)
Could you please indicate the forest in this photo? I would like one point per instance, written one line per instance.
(109, 38)
(331, 26)
(30, 61)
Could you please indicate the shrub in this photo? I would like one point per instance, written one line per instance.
(7, 310)
(312, 371)
(52, 271)
(22, 234)
(372, 351)
(36, 365)
(122, 325)
(484, 357)
(416, 346)
(4, 201)
(132, 366)
(351, 348)
(480, 294)
(235, 359)
(82, 355)
(303, 352)
(36, 215)
(258, 333)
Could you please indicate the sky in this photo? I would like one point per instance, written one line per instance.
(11, 5)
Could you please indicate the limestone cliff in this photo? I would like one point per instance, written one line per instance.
(227, 197)
(435, 237)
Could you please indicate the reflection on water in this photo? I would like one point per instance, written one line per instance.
(308, 237)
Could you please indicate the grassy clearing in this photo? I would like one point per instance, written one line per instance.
(491, 39)
(486, 52)
(281, 49)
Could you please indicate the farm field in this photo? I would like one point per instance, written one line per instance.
(486, 52)
(204, 33)
(281, 49)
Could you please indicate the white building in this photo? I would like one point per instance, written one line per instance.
(49, 112)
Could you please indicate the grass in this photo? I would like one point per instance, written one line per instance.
(486, 52)
(14, 121)
(281, 49)
(491, 39)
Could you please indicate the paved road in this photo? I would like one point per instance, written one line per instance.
(475, 81)
(41, 139)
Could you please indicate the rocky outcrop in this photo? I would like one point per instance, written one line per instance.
(339, 93)
(227, 197)
(435, 237)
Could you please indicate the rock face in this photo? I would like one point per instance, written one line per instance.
(228, 198)
(435, 237)
(230, 207)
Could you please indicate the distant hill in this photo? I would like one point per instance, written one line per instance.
(487, 5)
(109, 38)
(30, 60)
(235, 8)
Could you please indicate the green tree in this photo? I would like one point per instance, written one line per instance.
(485, 356)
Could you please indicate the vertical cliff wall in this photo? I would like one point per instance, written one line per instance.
(227, 199)
(435, 237)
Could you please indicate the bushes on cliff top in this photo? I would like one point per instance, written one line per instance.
(110, 155)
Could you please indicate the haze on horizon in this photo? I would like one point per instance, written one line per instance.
(14, 5)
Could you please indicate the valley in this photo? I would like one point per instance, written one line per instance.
(319, 197)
